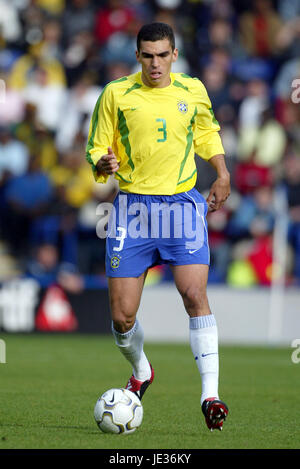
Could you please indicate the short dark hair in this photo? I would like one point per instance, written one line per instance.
(155, 32)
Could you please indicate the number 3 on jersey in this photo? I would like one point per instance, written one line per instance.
(162, 129)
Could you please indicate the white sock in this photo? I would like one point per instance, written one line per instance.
(131, 345)
(204, 345)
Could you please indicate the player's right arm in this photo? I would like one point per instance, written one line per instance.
(99, 149)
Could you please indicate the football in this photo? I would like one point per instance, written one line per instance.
(118, 411)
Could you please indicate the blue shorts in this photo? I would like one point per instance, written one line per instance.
(147, 230)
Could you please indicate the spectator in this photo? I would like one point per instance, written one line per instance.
(221, 35)
(36, 137)
(255, 213)
(219, 245)
(253, 105)
(13, 106)
(22, 71)
(10, 24)
(42, 265)
(116, 70)
(13, 163)
(215, 80)
(253, 221)
(13, 155)
(252, 263)
(45, 267)
(50, 45)
(73, 178)
(259, 28)
(289, 9)
(27, 197)
(80, 56)
(78, 17)
(263, 144)
(52, 7)
(291, 183)
(91, 246)
(48, 98)
(288, 38)
(32, 17)
(121, 46)
(114, 17)
(80, 101)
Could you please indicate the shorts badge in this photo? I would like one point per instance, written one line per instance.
(114, 262)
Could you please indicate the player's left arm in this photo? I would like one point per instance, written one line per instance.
(208, 145)
(220, 190)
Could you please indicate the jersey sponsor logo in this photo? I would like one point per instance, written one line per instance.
(182, 107)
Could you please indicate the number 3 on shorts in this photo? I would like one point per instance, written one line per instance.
(120, 238)
(162, 129)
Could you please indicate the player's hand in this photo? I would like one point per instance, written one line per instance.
(108, 163)
(218, 194)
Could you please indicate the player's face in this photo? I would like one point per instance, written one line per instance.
(156, 59)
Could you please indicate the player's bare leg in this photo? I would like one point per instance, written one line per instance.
(125, 296)
(191, 282)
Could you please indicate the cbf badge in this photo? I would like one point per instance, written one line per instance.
(182, 107)
(114, 262)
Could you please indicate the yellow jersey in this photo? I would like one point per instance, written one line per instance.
(154, 133)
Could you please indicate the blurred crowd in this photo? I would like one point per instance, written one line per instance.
(55, 58)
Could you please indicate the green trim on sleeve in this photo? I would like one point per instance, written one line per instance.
(180, 85)
(124, 131)
(213, 116)
(90, 144)
(136, 86)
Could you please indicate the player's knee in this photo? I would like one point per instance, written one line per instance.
(123, 316)
(194, 298)
(123, 324)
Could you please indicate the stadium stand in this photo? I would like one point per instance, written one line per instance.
(56, 57)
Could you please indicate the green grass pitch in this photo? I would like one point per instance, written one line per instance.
(50, 383)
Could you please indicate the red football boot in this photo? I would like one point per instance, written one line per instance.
(139, 387)
(215, 412)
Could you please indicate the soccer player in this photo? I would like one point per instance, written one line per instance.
(145, 130)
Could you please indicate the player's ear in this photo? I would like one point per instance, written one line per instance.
(175, 55)
(137, 54)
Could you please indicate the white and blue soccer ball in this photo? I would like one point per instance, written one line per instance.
(118, 411)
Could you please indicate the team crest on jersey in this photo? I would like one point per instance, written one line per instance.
(114, 262)
(182, 106)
